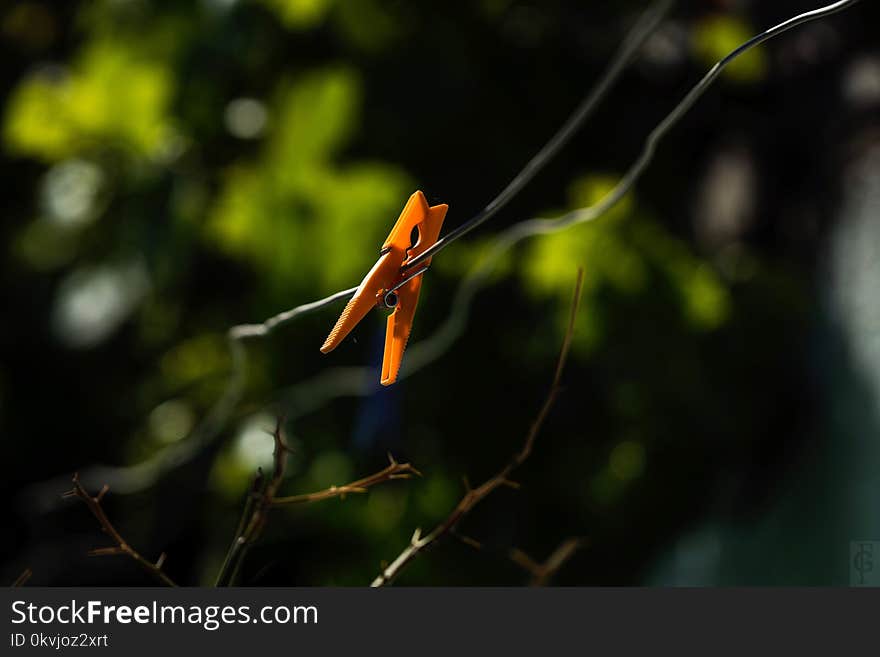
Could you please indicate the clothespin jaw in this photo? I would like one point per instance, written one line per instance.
(390, 286)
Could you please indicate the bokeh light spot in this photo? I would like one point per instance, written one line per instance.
(92, 303)
(70, 192)
(245, 118)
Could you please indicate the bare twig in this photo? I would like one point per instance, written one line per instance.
(256, 511)
(121, 545)
(263, 496)
(474, 496)
(394, 470)
(22, 579)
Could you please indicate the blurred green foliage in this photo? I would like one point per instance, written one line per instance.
(300, 14)
(112, 96)
(625, 251)
(295, 211)
(715, 36)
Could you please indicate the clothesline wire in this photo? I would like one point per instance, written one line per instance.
(571, 126)
(628, 48)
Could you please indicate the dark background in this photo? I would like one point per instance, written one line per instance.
(171, 169)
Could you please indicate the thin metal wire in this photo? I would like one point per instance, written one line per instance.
(429, 350)
(259, 330)
(625, 53)
(572, 125)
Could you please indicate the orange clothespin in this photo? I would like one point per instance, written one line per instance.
(388, 284)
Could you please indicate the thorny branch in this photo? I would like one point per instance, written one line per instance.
(256, 510)
(474, 496)
(394, 470)
(263, 496)
(122, 546)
